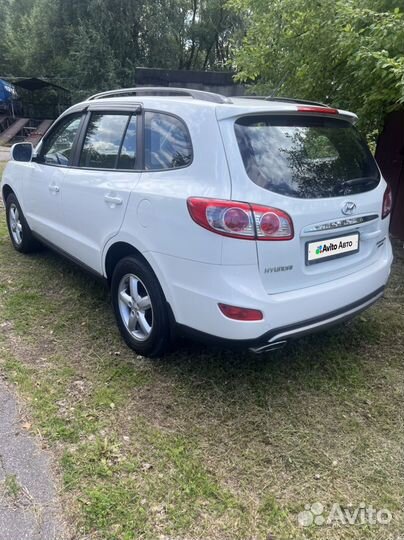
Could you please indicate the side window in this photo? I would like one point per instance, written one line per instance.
(127, 155)
(167, 142)
(103, 140)
(57, 147)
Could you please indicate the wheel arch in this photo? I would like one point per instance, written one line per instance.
(6, 191)
(120, 249)
(115, 253)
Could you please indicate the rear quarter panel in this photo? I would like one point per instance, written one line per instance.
(157, 217)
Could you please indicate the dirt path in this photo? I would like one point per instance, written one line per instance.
(29, 506)
(4, 153)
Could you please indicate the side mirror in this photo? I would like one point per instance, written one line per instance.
(22, 152)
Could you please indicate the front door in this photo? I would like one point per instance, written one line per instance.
(43, 185)
(96, 192)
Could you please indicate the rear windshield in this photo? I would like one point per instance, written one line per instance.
(306, 157)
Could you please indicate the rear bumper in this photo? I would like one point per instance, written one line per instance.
(293, 331)
(278, 337)
(194, 290)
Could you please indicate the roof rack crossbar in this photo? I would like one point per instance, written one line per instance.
(287, 100)
(162, 90)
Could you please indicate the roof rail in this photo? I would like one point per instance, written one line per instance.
(286, 100)
(163, 90)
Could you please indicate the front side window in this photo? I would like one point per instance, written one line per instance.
(305, 157)
(167, 142)
(57, 147)
(102, 143)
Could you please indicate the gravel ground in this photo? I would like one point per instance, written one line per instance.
(29, 505)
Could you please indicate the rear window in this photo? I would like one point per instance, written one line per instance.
(305, 157)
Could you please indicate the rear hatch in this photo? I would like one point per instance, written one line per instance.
(315, 166)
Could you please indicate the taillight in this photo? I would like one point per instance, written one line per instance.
(224, 217)
(240, 219)
(272, 223)
(241, 314)
(387, 202)
(236, 220)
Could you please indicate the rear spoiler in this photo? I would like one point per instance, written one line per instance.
(236, 110)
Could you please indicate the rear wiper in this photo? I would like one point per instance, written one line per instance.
(356, 181)
(343, 187)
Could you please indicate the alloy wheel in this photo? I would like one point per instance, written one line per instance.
(135, 307)
(15, 224)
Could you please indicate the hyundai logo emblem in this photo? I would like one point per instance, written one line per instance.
(349, 208)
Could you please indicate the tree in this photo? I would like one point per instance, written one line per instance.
(91, 45)
(347, 52)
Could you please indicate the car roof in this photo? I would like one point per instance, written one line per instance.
(168, 98)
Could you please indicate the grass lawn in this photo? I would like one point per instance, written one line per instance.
(207, 445)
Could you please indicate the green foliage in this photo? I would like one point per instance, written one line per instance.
(92, 45)
(347, 52)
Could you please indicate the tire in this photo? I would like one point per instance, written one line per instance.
(140, 308)
(18, 228)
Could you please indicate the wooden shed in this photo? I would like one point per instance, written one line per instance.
(211, 81)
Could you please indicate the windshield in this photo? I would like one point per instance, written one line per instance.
(305, 157)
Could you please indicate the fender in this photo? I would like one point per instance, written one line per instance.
(15, 181)
(148, 255)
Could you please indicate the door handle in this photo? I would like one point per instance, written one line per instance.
(109, 199)
(54, 189)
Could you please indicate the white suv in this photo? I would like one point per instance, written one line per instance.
(245, 220)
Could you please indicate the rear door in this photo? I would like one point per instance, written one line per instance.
(317, 168)
(96, 191)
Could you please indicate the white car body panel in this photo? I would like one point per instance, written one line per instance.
(90, 217)
(42, 198)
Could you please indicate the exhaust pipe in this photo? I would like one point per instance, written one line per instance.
(269, 347)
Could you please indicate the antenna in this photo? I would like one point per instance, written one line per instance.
(277, 88)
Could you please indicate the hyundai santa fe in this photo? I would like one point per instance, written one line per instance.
(249, 221)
